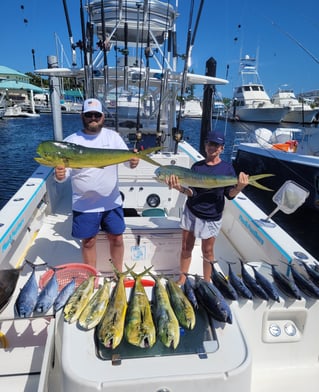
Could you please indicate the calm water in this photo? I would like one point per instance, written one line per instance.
(20, 137)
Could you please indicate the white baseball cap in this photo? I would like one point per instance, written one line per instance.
(92, 105)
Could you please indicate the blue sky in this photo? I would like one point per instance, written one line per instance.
(227, 28)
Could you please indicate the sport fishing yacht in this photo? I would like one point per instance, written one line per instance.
(264, 345)
(251, 102)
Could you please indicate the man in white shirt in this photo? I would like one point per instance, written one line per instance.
(96, 199)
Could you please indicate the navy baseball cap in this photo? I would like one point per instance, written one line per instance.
(215, 137)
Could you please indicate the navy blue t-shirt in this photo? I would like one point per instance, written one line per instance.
(208, 204)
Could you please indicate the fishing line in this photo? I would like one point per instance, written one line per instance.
(295, 41)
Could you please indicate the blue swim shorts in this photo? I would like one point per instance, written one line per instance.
(88, 224)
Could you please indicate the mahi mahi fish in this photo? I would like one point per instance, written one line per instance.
(165, 318)
(110, 329)
(188, 177)
(139, 326)
(94, 310)
(182, 307)
(72, 155)
(78, 300)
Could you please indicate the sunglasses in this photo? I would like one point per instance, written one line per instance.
(92, 114)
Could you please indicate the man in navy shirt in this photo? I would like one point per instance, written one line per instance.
(202, 215)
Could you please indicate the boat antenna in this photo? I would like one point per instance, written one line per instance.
(73, 46)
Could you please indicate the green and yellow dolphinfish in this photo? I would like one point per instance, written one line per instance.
(190, 178)
(139, 328)
(165, 319)
(94, 310)
(77, 157)
(110, 329)
(78, 300)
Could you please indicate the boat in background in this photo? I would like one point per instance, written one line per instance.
(299, 112)
(250, 102)
(19, 110)
(192, 108)
(43, 352)
(289, 153)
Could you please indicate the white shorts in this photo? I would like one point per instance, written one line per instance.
(201, 228)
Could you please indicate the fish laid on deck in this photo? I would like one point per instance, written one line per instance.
(94, 310)
(188, 177)
(110, 329)
(64, 295)
(212, 300)
(78, 300)
(181, 305)
(77, 157)
(238, 284)
(252, 284)
(27, 298)
(139, 327)
(47, 295)
(165, 318)
(270, 289)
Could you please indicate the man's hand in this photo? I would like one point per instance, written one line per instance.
(60, 172)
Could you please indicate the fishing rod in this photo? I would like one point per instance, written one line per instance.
(104, 48)
(73, 46)
(189, 45)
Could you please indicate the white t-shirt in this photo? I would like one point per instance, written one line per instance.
(96, 189)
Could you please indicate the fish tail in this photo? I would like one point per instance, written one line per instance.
(143, 154)
(253, 181)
